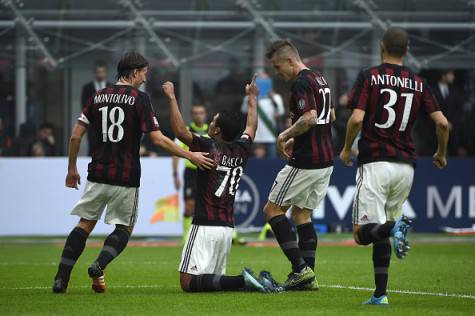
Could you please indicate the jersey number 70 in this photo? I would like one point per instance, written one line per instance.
(234, 174)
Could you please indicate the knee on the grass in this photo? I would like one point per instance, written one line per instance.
(185, 281)
(356, 230)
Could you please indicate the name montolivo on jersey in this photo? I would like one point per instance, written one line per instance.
(394, 81)
(114, 98)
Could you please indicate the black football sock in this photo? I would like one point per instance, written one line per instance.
(308, 242)
(75, 244)
(287, 240)
(214, 282)
(372, 232)
(113, 246)
(381, 259)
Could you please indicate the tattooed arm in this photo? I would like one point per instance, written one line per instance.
(303, 124)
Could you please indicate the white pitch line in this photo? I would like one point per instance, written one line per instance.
(152, 286)
(357, 288)
(334, 286)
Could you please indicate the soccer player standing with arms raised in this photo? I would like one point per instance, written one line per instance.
(386, 100)
(117, 116)
(302, 183)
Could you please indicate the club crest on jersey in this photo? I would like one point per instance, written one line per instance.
(301, 104)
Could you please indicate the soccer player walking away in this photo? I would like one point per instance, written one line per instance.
(386, 100)
(203, 261)
(117, 116)
(303, 182)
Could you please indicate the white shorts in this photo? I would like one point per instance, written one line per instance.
(121, 202)
(206, 250)
(381, 189)
(304, 188)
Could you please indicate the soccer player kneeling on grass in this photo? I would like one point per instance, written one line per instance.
(117, 116)
(386, 101)
(208, 244)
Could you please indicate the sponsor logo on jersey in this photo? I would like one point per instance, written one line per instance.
(246, 203)
(301, 104)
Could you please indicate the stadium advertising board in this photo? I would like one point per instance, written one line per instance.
(34, 200)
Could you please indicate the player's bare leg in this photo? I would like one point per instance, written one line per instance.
(114, 244)
(73, 248)
(301, 274)
(308, 239)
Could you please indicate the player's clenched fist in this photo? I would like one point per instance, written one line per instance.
(73, 179)
(168, 89)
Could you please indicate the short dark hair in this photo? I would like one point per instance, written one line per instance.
(396, 41)
(100, 64)
(230, 124)
(47, 125)
(279, 44)
(129, 62)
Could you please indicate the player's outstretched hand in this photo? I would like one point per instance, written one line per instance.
(201, 160)
(439, 161)
(251, 88)
(345, 156)
(281, 147)
(73, 179)
(168, 89)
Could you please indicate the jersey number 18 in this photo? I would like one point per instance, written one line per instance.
(108, 131)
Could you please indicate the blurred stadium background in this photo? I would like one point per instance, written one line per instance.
(49, 51)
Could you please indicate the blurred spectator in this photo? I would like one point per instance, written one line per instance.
(339, 126)
(270, 110)
(22, 145)
(90, 88)
(37, 150)
(45, 140)
(230, 89)
(259, 151)
(450, 103)
(6, 142)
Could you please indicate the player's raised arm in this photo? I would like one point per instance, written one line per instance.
(442, 132)
(176, 119)
(73, 178)
(252, 92)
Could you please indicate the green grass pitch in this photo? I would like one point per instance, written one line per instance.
(144, 281)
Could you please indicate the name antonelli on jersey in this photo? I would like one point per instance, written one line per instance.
(114, 98)
(394, 81)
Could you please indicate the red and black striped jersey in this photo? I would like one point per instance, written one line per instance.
(312, 149)
(117, 116)
(216, 188)
(391, 96)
